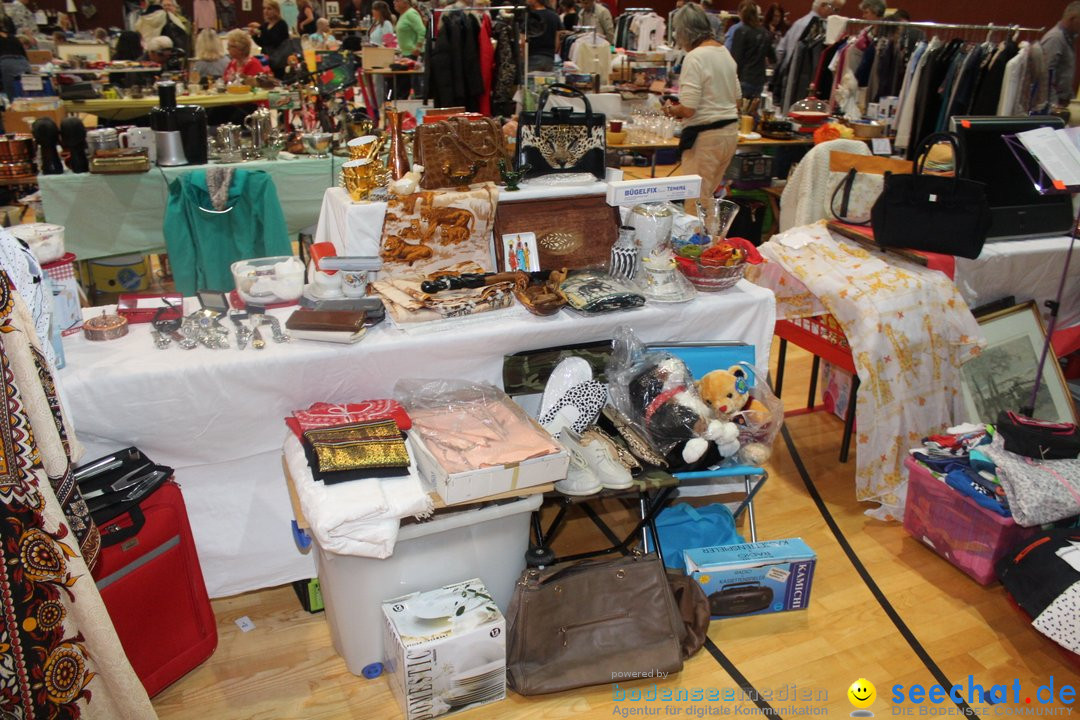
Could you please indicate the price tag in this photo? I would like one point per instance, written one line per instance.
(881, 146)
(32, 83)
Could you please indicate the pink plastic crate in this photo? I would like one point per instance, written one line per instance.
(955, 527)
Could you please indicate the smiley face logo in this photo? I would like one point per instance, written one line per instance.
(862, 694)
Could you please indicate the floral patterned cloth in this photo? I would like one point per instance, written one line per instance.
(59, 653)
(909, 332)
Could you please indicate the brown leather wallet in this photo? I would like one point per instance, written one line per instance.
(334, 320)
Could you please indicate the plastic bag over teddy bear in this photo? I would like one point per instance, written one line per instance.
(656, 392)
(756, 410)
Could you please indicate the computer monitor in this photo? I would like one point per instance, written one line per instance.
(1017, 209)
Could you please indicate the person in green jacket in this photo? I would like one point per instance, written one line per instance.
(410, 33)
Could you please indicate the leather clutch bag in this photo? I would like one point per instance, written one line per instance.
(339, 320)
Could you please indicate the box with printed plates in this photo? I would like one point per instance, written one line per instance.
(957, 528)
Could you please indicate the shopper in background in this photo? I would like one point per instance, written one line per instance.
(568, 11)
(818, 9)
(381, 22)
(729, 36)
(595, 15)
(542, 27)
(357, 10)
(241, 63)
(128, 46)
(410, 33)
(272, 34)
(210, 60)
(307, 18)
(159, 50)
(775, 22)
(22, 16)
(751, 47)
(709, 91)
(13, 62)
(322, 38)
(872, 9)
(1059, 49)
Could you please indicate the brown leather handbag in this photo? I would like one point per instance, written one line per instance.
(459, 151)
(592, 623)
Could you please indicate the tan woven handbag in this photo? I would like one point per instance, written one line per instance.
(459, 151)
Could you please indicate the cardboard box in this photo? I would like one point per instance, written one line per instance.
(21, 121)
(474, 484)
(376, 57)
(754, 578)
(445, 649)
(632, 192)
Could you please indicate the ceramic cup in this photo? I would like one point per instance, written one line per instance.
(363, 148)
(354, 283)
(358, 177)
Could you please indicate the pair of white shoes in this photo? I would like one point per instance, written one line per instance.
(594, 465)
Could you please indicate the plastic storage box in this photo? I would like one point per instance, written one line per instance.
(488, 542)
(955, 527)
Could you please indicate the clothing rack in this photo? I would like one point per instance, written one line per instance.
(929, 25)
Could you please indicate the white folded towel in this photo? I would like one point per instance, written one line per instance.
(359, 517)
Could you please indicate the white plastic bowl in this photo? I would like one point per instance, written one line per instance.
(269, 280)
(46, 241)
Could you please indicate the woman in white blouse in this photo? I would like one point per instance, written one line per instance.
(708, 92)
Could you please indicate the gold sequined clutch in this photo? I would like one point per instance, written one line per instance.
(358, 446)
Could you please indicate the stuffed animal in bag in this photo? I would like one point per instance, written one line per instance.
(727, 394)
(663, 395)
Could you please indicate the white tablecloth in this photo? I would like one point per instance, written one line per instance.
(1028, 269)
(216, 415)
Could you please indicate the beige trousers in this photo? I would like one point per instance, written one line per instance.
(709, 158)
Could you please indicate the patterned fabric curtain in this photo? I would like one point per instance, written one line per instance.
(59, 653)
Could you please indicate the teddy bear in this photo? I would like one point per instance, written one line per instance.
(727, 394)
(663, 395)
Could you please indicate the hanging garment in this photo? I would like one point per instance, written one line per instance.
(203, 242)
(964, 86)
(929, 101)
(57, 643)
(486, 54)
(205, 12)
(24, 272)
(989, 91)
(454, 64)
(505, 82)
(947, 87)
(805, 63)
(591, 53)
(907, 94)
(1011, 80)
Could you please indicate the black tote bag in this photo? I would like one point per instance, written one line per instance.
(561, 140)
(948, 215)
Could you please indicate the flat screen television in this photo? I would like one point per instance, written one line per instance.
(1017, 209)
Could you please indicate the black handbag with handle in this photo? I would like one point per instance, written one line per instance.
(948, 215)
(561, 140)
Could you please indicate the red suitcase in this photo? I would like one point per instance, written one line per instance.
(150, 580)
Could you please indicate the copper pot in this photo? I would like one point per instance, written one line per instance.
(17, 169)
(16, 148)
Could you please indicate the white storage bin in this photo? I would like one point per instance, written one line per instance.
(488, 543)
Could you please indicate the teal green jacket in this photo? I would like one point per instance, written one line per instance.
(203, 243)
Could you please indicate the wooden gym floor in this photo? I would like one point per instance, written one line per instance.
(287, 668)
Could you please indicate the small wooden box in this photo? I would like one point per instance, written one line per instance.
(575, 232)
(20, 120)
(376, 57)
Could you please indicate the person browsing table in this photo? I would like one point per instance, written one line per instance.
(410, 33)
(708, 93)
(241, 63)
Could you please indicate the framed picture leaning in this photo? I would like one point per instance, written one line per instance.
(1002, 375)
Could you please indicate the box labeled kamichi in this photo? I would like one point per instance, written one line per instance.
(754, 578)
(445, 649)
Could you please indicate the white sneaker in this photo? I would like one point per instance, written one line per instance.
(601, 457)
(580, 479)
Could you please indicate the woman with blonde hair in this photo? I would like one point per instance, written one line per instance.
(210, 60)
(272, 34)
(241, 63)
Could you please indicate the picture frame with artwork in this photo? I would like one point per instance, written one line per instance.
(1002, 375)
